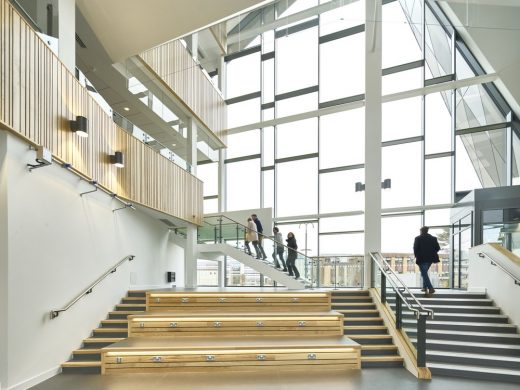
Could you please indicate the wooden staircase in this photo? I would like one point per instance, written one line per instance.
(363, 324)
(87, 359)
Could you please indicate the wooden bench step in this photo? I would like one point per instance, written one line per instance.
(95, 340)
(86, 351)
(381, 359)
(81, 363)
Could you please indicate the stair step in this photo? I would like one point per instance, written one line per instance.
(364, 339)
(484, 337)
(130, 306)
(359, 313)
(137, 293)
(461, 309)
(475, 372)
(365, 329)
(100, 342)
(110, 332)
(451, 301)
(448, 357)
(353, 304)
(350, 293)
(471, 347)
(118, 323)
(494, 318)
(140, 300)
(440, 293)
(466, 326)
(381, 361)
(338, 300)
(378, 350)
(85, 354)
(359, 321)
(82, 363)
(122, 314)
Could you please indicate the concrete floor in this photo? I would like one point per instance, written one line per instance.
(367, 379)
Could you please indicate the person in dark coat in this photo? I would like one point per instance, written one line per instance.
(291, 255)
(425, 249)
(260, 231)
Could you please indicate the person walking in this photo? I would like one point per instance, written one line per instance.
(278, 249)
(260, 231)
(251, 236)
(425, 249)
(291, 255)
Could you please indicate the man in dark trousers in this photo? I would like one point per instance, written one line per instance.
(425, 248)
(260, 230)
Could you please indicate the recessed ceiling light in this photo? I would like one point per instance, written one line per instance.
(126, 108)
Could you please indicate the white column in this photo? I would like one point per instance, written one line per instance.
(195, 46)
(190, 253)
(67, 33)
(221, 274)
(372, 133)
(4, 314)
(222, 152)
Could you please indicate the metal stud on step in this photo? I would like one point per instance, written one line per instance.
(260, 357)
(259, 300)
(173, 324)
(217, 324)
(157, 359)
(296, 300)
(311, 356)
(119, 360)
(302, 323)
(259, 324)
(210, 358)
(185, 300)
(141, 324)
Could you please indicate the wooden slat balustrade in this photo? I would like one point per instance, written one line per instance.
(39, 97)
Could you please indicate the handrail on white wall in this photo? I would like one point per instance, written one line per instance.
(494, 263)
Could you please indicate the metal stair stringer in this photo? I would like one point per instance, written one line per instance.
(213, 251)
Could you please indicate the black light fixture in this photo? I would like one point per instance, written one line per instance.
(80, 126)
(385, 184)
(117, 159)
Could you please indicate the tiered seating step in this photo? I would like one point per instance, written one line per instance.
(166, 354)
(238, 301)
(232, 323)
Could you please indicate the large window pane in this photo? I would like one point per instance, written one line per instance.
(402, 119)
(466, 178)
(438, 217)
(343, 17)
(207, 273)
(243, 113)
(306, 234)
(438, 180)
(342, 139)
(268, 146)
(297, 138)
(297, 105)
(342, 75)
(438, 134)
(337, 191)
(342, 224)
(476, 108)
(268, 81)
(297, 187)
(243, 144)
(342, 244)
(399, 42)
(402, 164)
(402, 81)
(243, 185)
(268, 188)
(286, 8)
(210, 206)
(237, 274)
(208, 173)
(297, 60)
(438, 48)
(243, 75)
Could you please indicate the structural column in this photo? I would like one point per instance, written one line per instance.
(222, 152)
(373, 119)
(67, 33)
(4, 268)
(190, 252)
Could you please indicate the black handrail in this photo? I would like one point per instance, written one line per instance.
(499, 266)
(404, 295)
(88, 290)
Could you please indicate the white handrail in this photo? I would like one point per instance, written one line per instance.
(494, 263)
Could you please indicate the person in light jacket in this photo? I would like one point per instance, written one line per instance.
(251, 236)
(278, 249)
(291, 255)
(425, 249)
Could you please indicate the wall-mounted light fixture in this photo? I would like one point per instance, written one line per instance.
(117, 159)
(385, 184)
(80, 126)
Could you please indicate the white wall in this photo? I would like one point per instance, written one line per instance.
(499, 286)
(59, 243)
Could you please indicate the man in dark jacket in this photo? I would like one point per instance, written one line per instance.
(425, 248)
(260, 231)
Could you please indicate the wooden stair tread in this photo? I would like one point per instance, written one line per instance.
(364, 319)
(110, 330)
(134, 298)
(369, 336)
(114, 321)
(127, 312)
(275, 315)
(353, 304)
(86, 351)
(131, 305)
(357, 311)
(378, 346)
(383, 358)
(359, 327)
(82, 363)
(103, 339)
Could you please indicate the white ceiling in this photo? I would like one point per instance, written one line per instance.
(127, 27)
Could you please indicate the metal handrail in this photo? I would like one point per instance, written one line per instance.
(263, 235)
(388, 270)
(494, 263)
(88, 290)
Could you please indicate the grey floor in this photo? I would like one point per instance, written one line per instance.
(373, 379)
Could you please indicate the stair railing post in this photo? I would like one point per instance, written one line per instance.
(215, 234)
(238, 228)
(383, 287)
(421, 340)
(220, 227)
(398, 312)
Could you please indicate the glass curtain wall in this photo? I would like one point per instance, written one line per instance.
(307, 167)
